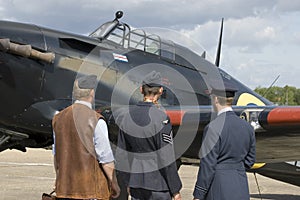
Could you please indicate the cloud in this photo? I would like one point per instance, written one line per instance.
(296, 38)
(266, 33)
(136, 12)
(249, 35)
(288, 5)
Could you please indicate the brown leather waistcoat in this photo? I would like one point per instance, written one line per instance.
(78, 173)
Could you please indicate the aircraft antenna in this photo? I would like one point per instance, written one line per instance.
(271, 85)
(203, 55)
(217, 63)
(257, 185)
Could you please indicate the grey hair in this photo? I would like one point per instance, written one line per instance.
(79, 93)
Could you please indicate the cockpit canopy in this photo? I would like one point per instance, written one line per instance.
(123, 35)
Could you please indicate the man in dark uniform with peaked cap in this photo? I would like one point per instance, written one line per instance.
(146, 154)
(228, 147)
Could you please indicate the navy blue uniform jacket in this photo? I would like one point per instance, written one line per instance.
(145, 153)
(228, 147)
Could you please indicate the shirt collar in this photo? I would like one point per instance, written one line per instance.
(88, 104)
(224, 110)
(143, 103)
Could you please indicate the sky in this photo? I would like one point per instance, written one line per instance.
(261, 39)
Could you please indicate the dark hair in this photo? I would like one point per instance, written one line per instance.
(150, 91)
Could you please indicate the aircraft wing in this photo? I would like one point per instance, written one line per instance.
(277, 129)
(283, 171)
(279, 135)
(281, 118)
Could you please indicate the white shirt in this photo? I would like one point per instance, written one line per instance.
(102, 145)
(224, 110)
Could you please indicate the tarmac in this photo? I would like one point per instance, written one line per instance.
(27, 175)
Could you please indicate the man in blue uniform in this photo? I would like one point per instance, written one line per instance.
(228, 147)
(146, 153)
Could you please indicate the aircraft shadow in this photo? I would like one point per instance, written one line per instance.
(276, 196)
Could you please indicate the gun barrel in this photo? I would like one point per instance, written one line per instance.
(26, 51)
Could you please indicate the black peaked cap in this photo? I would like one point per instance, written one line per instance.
(225, 89)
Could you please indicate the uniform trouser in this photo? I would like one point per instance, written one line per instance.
(143, 194)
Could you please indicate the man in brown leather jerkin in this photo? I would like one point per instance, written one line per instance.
(83, 159)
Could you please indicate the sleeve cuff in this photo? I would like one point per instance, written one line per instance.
(199, 192)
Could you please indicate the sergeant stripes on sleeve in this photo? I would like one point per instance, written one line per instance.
(167, 137)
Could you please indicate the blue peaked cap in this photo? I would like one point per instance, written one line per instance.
(153, 79)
